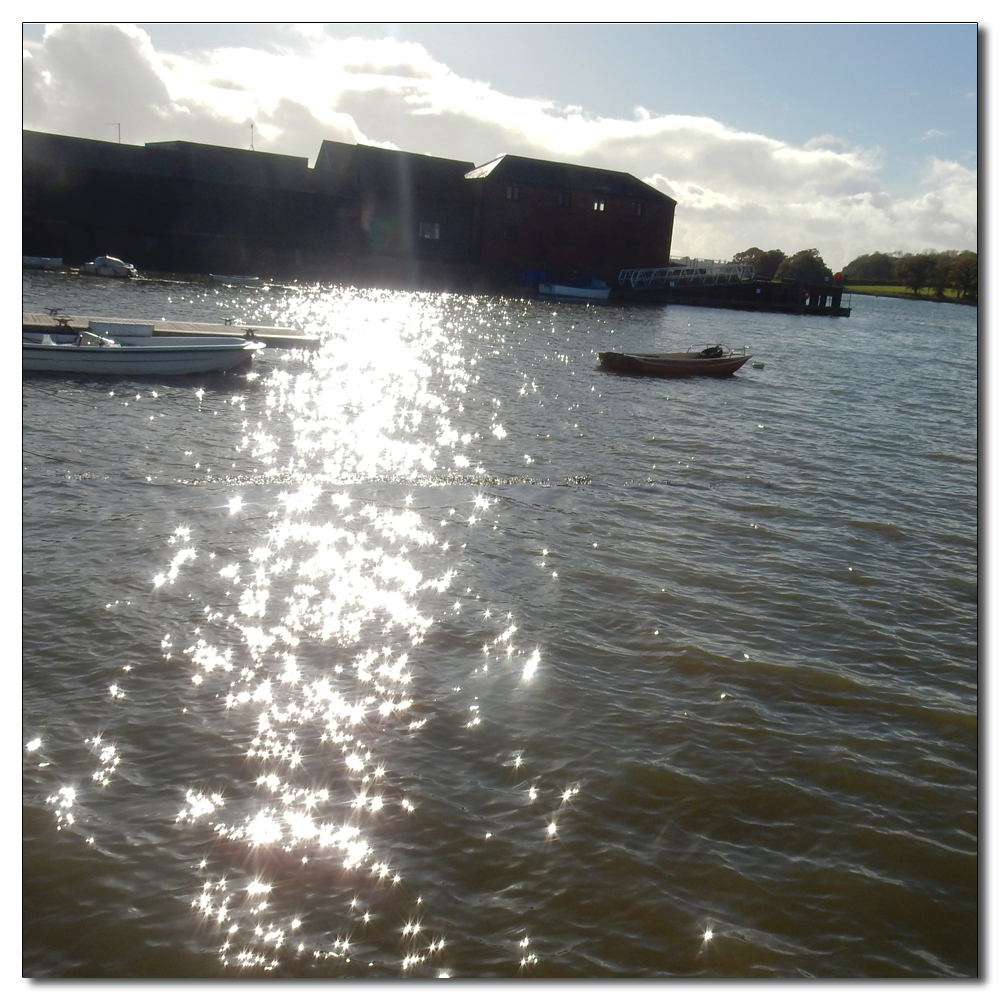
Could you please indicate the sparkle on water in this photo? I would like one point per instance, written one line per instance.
(361, 580)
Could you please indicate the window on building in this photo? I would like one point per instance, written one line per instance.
(562, 198)
(430, 230)
(513, 194)
(636, 208)
(598, 204)
(510, 233)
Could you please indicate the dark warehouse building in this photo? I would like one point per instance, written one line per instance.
(362, 214)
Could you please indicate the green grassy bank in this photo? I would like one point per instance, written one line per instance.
(901, 292)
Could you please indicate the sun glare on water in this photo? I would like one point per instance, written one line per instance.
(313, 624)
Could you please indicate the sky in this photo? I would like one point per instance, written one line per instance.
(847, 137)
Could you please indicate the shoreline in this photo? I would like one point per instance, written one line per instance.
(947, 300)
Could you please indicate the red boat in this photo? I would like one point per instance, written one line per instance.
(719, 361)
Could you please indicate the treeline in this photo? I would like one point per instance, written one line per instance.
(775, 265)
(954, 269)
(957, 270)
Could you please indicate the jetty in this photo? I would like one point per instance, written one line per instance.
(731, 286)
(54, 321)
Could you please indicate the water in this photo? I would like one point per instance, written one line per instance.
(440, 652)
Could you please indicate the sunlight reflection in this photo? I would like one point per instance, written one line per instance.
(63, 802)
(199, 804)
(532, 665)
(321, 618)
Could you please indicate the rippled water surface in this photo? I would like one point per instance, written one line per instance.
(441, 652)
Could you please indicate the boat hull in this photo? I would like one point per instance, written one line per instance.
(107, 272)
(33, 325)
(571, 293)
(673, 365)
(132, 360)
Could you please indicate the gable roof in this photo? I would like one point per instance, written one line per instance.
(387, 167)
(526, 170)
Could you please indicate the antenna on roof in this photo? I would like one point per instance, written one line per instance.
(119, 124)
(251, 136)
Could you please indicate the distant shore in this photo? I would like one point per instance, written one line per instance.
(900, 292)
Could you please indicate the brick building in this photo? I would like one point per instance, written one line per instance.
(399, 204)
(560, 219)
(362, 213)
(173, 206)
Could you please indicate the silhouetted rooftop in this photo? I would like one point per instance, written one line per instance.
(526, 170)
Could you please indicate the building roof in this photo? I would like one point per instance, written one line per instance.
(207, 150)
(229, 165)
(330, 148)
(350, 169)
(526, 170)
(179, 159)
(392, 165)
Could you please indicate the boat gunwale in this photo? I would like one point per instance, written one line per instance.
(141, 350)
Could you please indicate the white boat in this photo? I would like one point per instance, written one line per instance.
(68, 326)
(109, 267)
(576, 290)
(131, 349)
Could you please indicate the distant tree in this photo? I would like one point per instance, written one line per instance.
(916, 270)
(806, 265)
(770, 262)
(941, 275)
(764, 262)
(872, 267)
(750, 256)
(963, 272)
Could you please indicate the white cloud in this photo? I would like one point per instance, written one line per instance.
(735, 189)
(832, 143)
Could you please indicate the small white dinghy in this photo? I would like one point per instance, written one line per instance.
(132, 349)
(109, 267)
